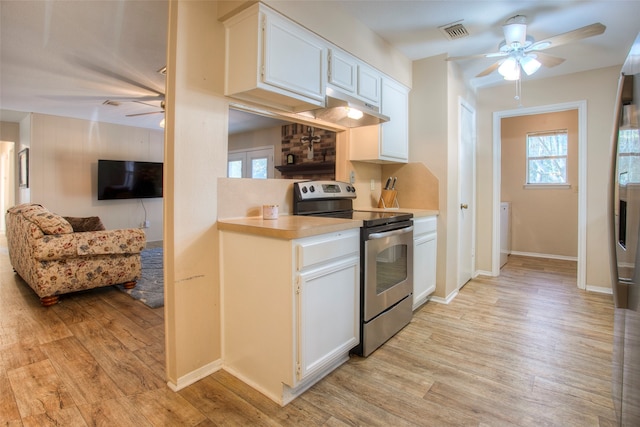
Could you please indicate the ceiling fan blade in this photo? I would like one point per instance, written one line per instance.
(489, 70)
(479, 56)
(141, 101)
(571, 36)
(144, 114)
(114, 75)
(547, 60)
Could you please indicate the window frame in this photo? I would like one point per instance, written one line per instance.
(547, 185)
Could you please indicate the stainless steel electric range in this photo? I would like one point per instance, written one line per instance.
(386, 258)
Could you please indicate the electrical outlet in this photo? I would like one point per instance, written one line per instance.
(352, 177)
(373, 185)
(147, 224)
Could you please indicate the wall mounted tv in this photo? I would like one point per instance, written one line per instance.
(123, 179)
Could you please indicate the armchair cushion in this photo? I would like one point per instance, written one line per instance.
(91, 223)
(48, 222)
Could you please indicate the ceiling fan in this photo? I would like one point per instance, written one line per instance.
(149, 112)
(520, 52)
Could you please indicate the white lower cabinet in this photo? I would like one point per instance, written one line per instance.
(425, 244)
(290, 308)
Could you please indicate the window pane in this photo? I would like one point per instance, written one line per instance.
(547, 158)
(259, 168)
(629, 156)
(547, 145)
(547, 171)
(235, 169)
(629, 141)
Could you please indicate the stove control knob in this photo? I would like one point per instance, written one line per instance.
(312, 189)
(304, 190)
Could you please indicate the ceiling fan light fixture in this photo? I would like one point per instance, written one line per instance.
(515, 35)
(529, 64)
(510, 69)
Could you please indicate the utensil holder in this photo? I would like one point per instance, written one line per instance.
(388, 199)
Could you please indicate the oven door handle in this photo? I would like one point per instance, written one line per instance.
(373, 236)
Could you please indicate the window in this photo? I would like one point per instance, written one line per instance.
(251, 163)
(547, 158)
(629, 156)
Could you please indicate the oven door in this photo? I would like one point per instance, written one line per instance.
(388, 269)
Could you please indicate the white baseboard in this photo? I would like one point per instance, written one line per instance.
(550, 256)
(599, 289)
(197, 375)
(446, 300)
(482, 273)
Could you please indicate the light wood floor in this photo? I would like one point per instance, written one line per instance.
(525, 349)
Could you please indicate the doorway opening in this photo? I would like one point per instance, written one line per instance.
(581, 107)
(7, 168)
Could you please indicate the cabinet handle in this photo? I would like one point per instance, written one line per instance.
(464, 206)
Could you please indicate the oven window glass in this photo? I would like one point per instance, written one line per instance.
(391, 267)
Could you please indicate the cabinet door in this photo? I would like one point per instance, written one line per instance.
(342, 70)
(424, 268)
(369, 84)
(394, 139)
(328, 314)
(293, 58)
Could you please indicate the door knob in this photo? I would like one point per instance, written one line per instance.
(464, 206)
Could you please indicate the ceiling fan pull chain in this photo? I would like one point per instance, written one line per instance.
(518, 92)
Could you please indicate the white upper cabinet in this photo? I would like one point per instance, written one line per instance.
(354, 77)
(343, 70)
(388, 142)
(273, 61)
(394, 142)
(369, 84)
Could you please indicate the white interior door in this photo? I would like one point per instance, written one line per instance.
(466, 179)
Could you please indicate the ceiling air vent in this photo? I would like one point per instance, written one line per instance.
(454, 30)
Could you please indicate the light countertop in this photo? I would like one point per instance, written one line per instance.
(287, 226)
(297, 226)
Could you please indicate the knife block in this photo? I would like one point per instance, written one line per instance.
(388, 199)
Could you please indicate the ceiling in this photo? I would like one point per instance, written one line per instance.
(67, 58)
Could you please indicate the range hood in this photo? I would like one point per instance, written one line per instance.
(342, 109)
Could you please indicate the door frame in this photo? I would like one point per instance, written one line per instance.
(581, 106)
(462, 103)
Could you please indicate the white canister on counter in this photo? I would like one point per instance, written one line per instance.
(270, 211)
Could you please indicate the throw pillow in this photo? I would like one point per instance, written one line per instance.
(91, 223)
(51, 223)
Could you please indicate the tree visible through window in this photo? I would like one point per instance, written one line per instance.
(547, 157)
(629, 156)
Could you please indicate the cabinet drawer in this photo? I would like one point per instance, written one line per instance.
(316, 250)
(425, 225)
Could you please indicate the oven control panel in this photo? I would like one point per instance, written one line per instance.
(309, 190)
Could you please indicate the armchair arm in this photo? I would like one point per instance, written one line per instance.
(122, 241)
(53, 247)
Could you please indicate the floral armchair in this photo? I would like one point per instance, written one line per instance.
(54, 258)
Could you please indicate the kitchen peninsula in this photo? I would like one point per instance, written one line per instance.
(290, 288)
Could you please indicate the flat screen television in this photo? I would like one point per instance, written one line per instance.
(124, 179)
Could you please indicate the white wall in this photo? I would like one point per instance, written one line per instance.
(598, 88)
(195, 156)
(433, 140)
(64, 155)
